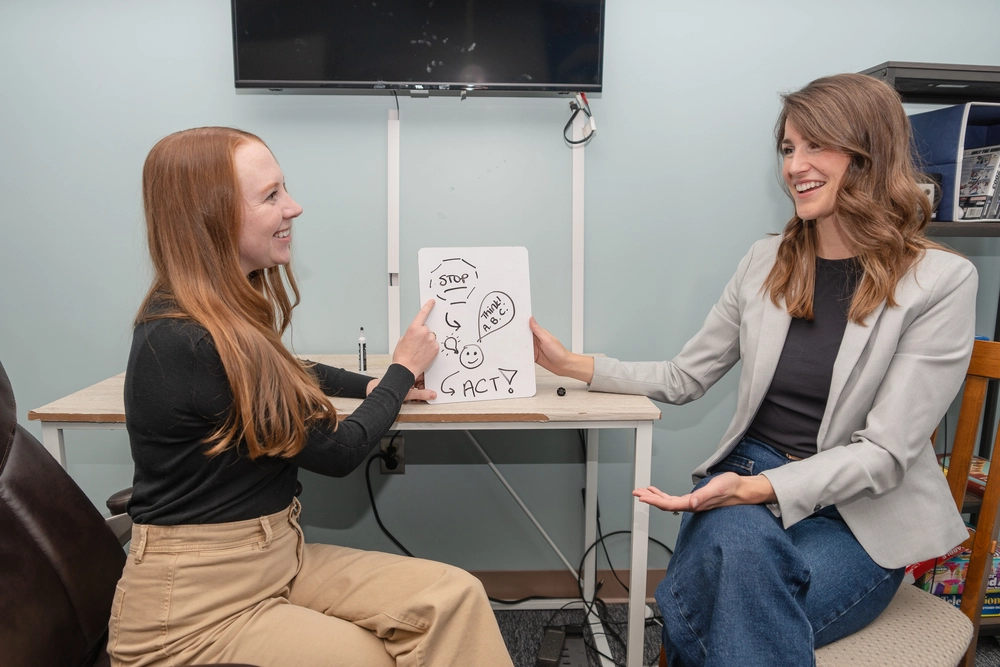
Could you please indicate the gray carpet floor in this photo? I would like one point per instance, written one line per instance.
(988, 652)
(523, 630)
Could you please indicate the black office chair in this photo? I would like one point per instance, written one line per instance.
(59, 562)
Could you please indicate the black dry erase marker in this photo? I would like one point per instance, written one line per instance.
(362, 352)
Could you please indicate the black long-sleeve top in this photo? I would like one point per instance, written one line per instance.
(177, 394)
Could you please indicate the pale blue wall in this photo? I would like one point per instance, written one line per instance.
(680, 180)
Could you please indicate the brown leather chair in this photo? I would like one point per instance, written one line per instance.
(59, 561)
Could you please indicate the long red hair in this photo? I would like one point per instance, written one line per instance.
(192, 202)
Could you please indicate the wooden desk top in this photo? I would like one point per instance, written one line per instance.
(103, 403)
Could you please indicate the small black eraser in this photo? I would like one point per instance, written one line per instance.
(561, 391)
(550, 650)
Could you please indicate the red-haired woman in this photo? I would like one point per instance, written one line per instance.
(220, 418)
(854, 332)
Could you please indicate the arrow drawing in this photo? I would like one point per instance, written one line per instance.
(450, 392)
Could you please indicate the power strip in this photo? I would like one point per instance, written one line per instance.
(574, 653)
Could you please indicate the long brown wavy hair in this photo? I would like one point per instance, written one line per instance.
(881, 210)
(193, 208)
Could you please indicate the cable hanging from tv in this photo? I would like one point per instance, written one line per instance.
(579, 104)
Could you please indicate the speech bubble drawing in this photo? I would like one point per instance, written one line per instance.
(495, 312)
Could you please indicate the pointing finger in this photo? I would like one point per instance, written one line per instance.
(421, 317)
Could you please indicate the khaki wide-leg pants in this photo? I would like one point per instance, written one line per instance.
(254, 592)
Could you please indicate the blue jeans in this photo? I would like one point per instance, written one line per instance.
(742, 590)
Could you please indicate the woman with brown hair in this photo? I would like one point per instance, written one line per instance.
(220, 418)
(854, 332)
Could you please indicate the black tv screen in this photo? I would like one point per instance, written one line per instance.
(419, 45)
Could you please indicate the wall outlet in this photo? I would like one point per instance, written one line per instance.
(396, 467)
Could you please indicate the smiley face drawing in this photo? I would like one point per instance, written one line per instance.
(471, 356)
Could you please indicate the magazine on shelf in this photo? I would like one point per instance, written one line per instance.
(979, 180)
(993, 208)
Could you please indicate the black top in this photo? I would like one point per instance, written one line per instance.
(176, 394)
(793, 407)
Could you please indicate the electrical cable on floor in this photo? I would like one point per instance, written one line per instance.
(597, 606)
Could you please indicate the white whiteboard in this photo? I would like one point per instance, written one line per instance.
(481, 321)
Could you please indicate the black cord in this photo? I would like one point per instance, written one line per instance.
(604, 547)
(598, 603)
(578, 105)
(397, 102)
(600, 534)
(610, 632)
(587, 610)
(621, 532)
(371, 496)
(378, 519)
(569, 124)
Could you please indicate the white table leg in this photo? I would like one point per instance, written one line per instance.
(640, 546)
(590, 515)
(589, 537)
(52, 439)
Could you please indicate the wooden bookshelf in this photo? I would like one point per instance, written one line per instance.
(971, 504)
(963, 229)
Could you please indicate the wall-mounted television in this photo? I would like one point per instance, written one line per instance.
(502, 46)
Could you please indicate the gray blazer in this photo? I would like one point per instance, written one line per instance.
(893, 380)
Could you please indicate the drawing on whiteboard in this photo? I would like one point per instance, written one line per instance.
(508, 375)
(450, 344)
(472, 356)
(495, 312)
(486, 344)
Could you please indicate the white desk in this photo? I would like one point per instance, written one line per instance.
(101, 406)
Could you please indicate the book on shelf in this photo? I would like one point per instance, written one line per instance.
(979, 180)
(978, 472)
(947, 575)
(915, 571)
(991, 603)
